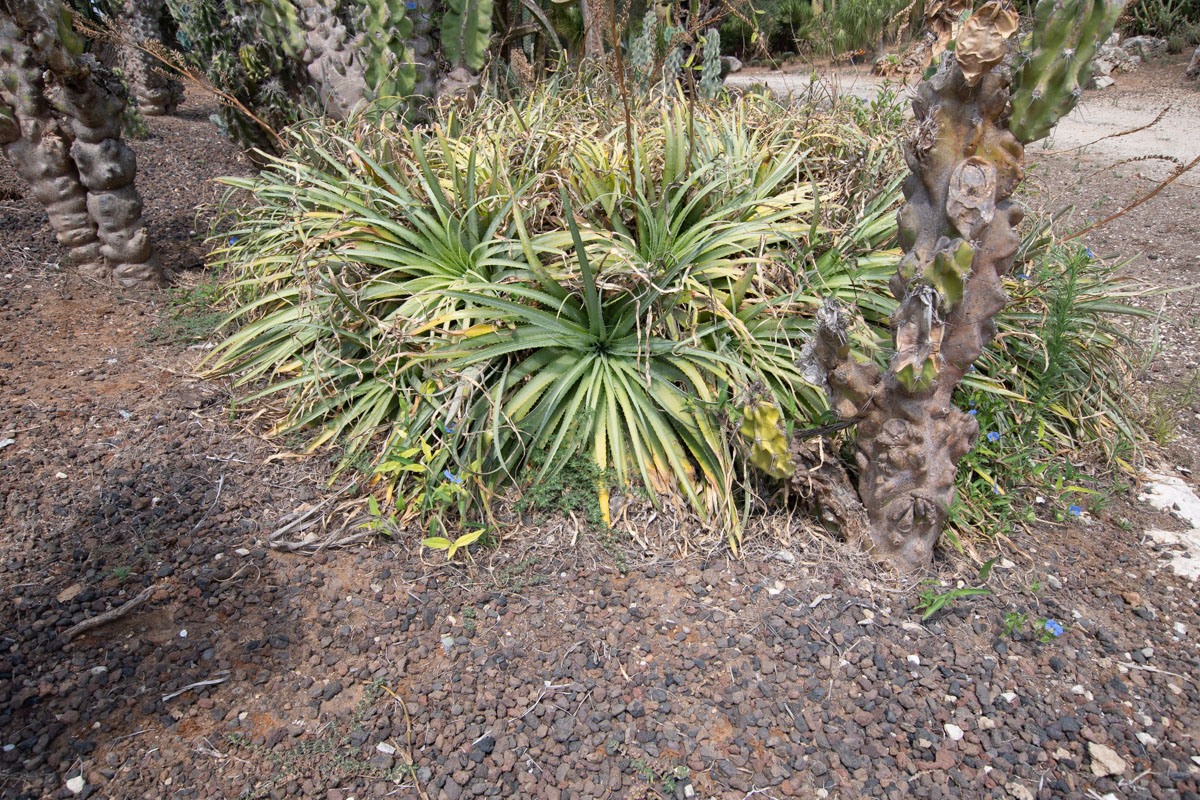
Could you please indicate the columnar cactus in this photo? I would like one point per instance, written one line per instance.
(155, 93)
(390, 73)
(957, 230)
(61, 129)
(465, 32)
(710, 70)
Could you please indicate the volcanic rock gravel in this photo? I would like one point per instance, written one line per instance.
(540, 672)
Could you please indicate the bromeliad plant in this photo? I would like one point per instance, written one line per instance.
(958, 233)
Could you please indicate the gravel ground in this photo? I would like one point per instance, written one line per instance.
(540, 671)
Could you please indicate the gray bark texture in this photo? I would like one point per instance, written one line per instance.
(61, 128)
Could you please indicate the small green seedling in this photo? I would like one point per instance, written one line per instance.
(452, 547)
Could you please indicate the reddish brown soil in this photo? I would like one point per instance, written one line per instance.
(540, 670)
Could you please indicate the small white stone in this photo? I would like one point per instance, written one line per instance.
(1105, 760)
(915, 660)
(76, 784)
(986, 723)
(1018, 791)
(954, 732)
(60, 475)
(688, 791)
(1180, 629)
(1009, 697)
(1078, 689)
(1148, 652)
(386, 749)
(1146, 738)
(183, 634)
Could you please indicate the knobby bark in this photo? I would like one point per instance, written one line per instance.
(957, 230)
(61, 128)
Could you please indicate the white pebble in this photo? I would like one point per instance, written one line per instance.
(954, 732)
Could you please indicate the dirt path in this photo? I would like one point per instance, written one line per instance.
(541, 671)
(1135, 101)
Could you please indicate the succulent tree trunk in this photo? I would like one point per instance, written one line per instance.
(156, 94)
(62, 133)
(957, 230)
(594, 18)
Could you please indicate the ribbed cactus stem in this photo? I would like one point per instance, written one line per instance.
(1048, 83)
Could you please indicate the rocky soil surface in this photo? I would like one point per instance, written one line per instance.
(541, 670)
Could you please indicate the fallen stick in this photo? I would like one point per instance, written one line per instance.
(196, 685)
(110, 615)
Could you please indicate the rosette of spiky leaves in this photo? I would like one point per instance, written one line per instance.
(575, 365)
(338, 302)
(1050, 78)
(391, 72)
(466, 29)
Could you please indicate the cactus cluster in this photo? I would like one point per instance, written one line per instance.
(466, 30)
(762, 426)
(673, 62)
(154, 92)
(1048, 82)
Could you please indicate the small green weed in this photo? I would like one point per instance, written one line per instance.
(573, 488)
(193, 316)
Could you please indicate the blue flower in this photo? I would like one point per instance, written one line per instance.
(1053, 628)
(448, 427)
(971, 368)
(450, 476)
(973, 411)
(411, 6)
(1090, 253)
(993, 436)
(233, 240)
(1075, 511)
(996, 488)
(1023, 276)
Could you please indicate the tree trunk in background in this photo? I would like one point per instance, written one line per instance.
(63, 136)
(156, 94)
(593, 28)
